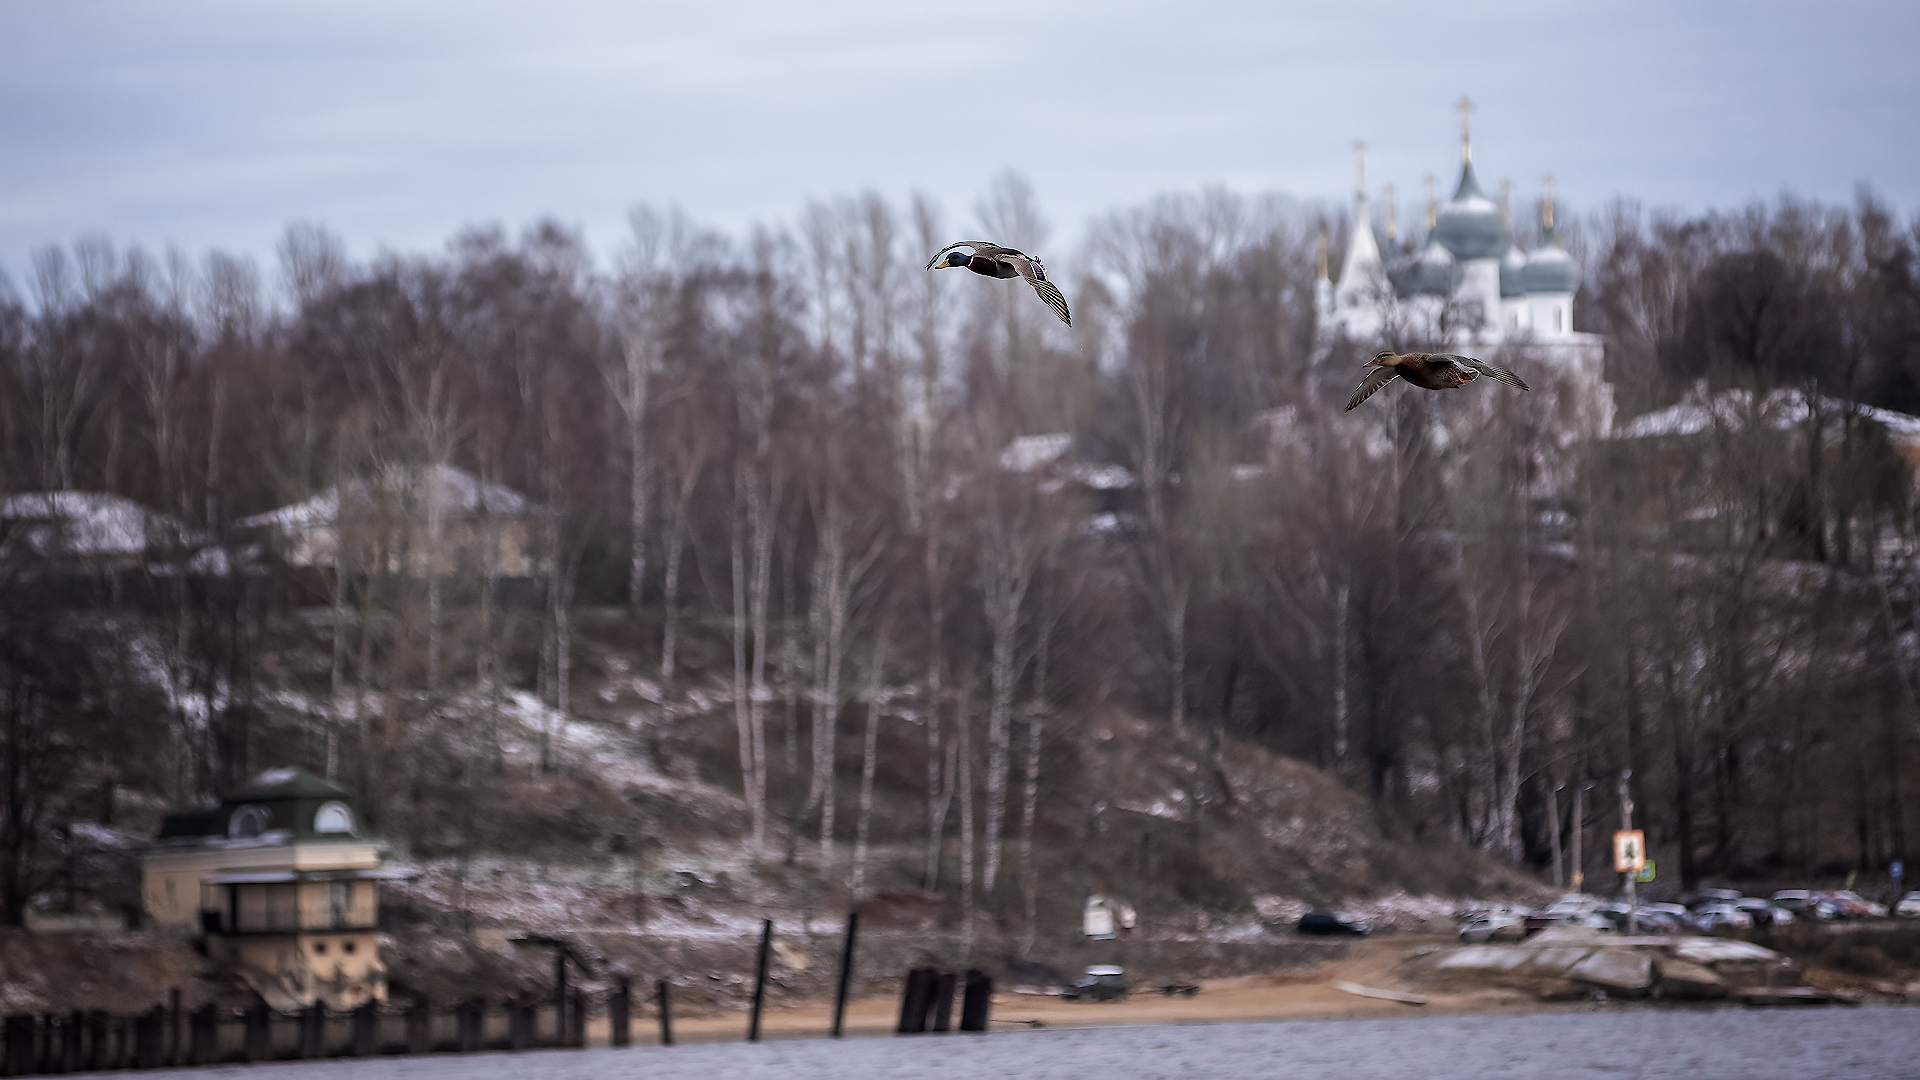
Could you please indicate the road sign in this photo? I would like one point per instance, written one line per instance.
(1644, 874)
(1629, 850)
(1898, 869)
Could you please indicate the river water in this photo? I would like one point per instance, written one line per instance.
(1734, 1044)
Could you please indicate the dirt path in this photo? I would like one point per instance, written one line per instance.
(1306, 993)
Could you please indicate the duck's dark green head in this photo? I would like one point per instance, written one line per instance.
(954, 258)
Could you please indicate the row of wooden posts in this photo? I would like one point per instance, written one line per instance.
(170, 1035)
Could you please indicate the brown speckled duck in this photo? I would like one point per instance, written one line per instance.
(1434, 371)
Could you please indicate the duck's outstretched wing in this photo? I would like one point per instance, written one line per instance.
(980, 247)
(1371, 385)
(1491, 371)
(1036, 274)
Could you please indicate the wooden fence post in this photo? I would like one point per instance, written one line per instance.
(977, 1001)
(70, 1054)
(259, 1041)
(846, 973)
(203, 1047)
(519, 1023)
(472, 1023)
(420, 1026)
(99, 1039)
(916, 997)
(561, 999)
(760, 979)
(620, 1014)
(664, 991)
(19, 1058)
(313, 1031)
(940, 1015)
(151, 1038)
(366, 1030)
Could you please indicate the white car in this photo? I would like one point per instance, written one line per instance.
(1909, 906)
(1494, 926)
(1722, 917)
(1572, 907)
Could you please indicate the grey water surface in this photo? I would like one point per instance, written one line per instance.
(1854, 1044)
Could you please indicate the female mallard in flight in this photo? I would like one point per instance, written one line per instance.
(992, 260)
(1434, 371)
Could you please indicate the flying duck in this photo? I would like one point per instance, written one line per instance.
(992, 260)
(1434, 371)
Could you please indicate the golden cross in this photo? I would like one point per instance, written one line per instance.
(1546, 202)
(1465, 107)
(1430, 207)
(1506, 201)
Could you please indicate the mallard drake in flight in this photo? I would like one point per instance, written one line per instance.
(992, 260)
(1434, 371)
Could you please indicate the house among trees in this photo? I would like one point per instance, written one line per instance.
(431, 521)
(1711, 442)
(283, 881)
(81, 547)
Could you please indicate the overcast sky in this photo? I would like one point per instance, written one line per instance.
(214, 123)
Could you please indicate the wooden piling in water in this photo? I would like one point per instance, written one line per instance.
(976, 1001)
(760, 980)
(916, 997)
(663, 992)
(620, 1014)
(846, 973)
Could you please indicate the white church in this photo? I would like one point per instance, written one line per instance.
(1469, 289)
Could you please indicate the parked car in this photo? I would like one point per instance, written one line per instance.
(1761, 912)
(1102, 982)
(1909, 906)
(1494, 926)
(1571, 907)
(1661, 919)
(1721, 917)
(1794, 900)
(1857, 906)
(1708, 897)
(1327, 924)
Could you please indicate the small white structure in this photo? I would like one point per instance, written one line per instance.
(1106, 918)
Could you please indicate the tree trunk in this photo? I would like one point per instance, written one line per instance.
(742, 708)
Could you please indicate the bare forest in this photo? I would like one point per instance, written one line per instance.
(884, 556)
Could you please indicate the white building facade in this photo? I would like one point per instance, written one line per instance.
(1469, 289)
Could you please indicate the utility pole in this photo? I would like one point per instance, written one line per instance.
(1579, 876)
(1626, 825)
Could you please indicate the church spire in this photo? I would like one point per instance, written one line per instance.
(1506, 201)
(1432, 210)
(1392, 216)
(1465, 107)
(1359, 165)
